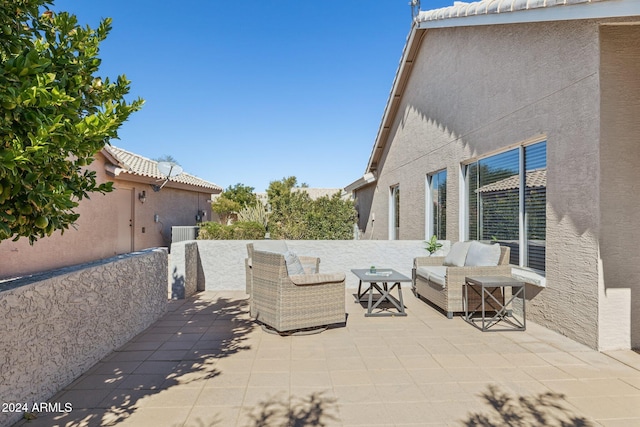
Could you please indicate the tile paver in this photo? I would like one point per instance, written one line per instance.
(206, 363)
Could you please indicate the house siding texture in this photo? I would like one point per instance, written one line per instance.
(477, 90)
(619, 178)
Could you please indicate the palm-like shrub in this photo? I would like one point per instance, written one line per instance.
(254, 213)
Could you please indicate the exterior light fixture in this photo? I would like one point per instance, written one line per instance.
(142, 196)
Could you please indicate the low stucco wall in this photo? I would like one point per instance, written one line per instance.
(57, 325)
(221, 264)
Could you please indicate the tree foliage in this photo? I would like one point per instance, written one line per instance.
(233, 200)
(294, 215)
(241, 230)
(55, 115)
(242, 194)
(225, 207)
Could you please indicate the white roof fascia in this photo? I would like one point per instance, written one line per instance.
(392, 94)
(597, 10)
(366, 179)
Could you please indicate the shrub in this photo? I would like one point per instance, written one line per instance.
(240, 230)
(248, 230)
(254, 213)
(296, 216)
(213, 231)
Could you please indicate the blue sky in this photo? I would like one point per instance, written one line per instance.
(253, 91)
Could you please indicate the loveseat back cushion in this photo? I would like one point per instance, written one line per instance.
(482, 255)
(294, 266)
(275, 246)
(457, 255)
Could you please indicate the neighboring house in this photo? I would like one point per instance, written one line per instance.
(540, 96)
(134, 216)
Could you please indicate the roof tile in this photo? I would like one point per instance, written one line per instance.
(135, 164)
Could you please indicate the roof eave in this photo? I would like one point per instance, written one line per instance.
(591, 10)
(366, 179)
(124, 175)
(400, 80)
(587, 10)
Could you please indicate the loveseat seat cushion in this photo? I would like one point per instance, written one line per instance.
(457, 255)
(435, 274)
(482, 255)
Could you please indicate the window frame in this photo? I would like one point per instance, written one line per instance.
(394, 212)
(464, 220)
(429, 210)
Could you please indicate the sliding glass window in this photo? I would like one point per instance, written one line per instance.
(507, 202)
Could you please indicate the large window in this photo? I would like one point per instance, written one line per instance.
(437, 205)
(506, 202)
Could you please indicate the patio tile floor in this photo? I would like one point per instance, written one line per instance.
(206, 363)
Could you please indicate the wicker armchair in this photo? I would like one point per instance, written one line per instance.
(450, 296)
(311, 265)
(288, 303)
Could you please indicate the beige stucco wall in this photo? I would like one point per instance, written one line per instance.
(102, 218)
(221, 262)
(58, 325)
(620, 185)
(477, 90)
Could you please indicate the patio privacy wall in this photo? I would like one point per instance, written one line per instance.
(57, 325)
(221, 262)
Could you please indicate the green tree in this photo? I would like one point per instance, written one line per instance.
(224, 207)
(55, 115)
(295, 216)
(243, 194)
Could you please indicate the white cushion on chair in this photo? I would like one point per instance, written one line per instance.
(482, 255)
(457, 255)
(294, 266)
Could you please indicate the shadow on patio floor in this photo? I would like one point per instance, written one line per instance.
(544, 409)
(181, 349)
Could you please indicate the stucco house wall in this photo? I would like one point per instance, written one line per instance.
(110, 224)
(477, 90)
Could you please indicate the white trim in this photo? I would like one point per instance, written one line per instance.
(524, 143)
(463, 215)
(393, 235)
(594, 10)
(428, 208)
(522, 222)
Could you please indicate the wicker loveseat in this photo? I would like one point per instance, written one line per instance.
(442, 285)
(287, 302)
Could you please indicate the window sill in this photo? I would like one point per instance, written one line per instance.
(529, 276)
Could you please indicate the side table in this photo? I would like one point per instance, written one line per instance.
(483, 286)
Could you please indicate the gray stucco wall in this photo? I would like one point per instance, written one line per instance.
(222, 261)
(619, 178)
(478, 90)
(57, 325)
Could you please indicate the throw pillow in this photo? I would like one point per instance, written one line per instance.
(482, 255)
(457, 255)
(294, 266)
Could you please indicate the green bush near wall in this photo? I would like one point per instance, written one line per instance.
(241, 230)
